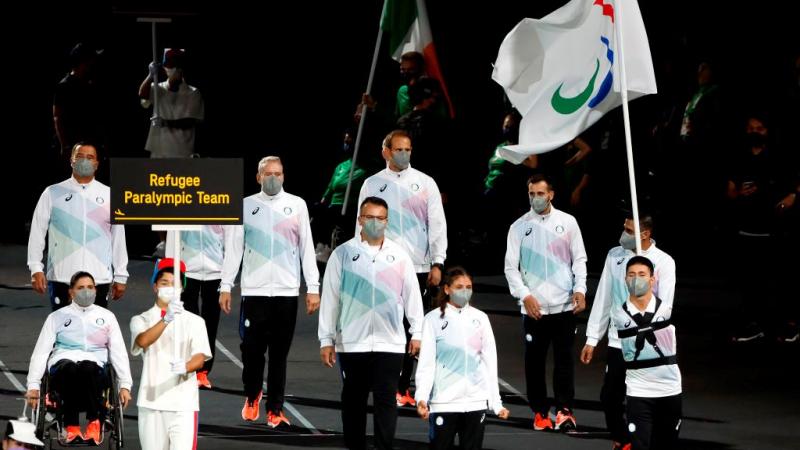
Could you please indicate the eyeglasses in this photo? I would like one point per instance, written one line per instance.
(368, 217)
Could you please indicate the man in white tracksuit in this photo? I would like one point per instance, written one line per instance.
(416, 222)
(649, 348)
(546, 271)
(369, 284)
(611, 290)
(202, 251)
(168, 397)
(74, 218)
(276, 244)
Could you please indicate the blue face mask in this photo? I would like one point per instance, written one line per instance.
(83, 167)
(271, 185)
(460, 297)
(401, 159)
(374, 228)
(638, 286)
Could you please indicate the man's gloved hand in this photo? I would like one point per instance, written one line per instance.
(178, 367)
(174, 308)
(158, 122)
(154, 69)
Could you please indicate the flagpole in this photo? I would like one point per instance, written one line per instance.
(357, 144)
(627, 123)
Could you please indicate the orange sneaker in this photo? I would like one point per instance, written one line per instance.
(73, 432)
(542, 422)
(273, 420)
(250, 410)
(202, 380)
(405, 399)
(94, 432)
(565, 421)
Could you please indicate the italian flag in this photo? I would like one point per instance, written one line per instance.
(406, 23)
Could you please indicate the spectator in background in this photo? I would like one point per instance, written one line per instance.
(329, 212)
(501, 198)
(703, 136)
(754, 188)
(429, 131)
(78, 113)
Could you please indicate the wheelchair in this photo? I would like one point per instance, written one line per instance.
(48, 416)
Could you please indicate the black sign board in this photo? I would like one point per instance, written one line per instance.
(176, 191)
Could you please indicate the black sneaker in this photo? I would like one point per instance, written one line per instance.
(789, 333)
(749, 333)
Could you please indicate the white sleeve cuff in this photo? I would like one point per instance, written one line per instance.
(325, 342)
(591, 341)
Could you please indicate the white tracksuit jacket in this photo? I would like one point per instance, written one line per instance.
(545, 257)
(271, 247)
(76, 221)
(78, 334)
(416, 214)
(457, 368)
(612, 290)
(365, 293)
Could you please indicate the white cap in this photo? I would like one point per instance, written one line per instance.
(24, 432)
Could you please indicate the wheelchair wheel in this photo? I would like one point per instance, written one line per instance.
(41, 410)
(116, 439)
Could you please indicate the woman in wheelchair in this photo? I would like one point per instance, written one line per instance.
(75, 344)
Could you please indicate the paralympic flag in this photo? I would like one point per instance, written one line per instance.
(562, 72)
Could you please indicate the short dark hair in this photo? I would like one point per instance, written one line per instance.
(415, 57)
(77, 276)
(538, 178)
(387, 141)
(645, 220)
(638, 259)
(374, 201)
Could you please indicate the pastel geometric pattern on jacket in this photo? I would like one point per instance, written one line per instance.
(554, 266)
(270, 237)
(67, 227)
(456, 364)
(408, 223)
(207, 242)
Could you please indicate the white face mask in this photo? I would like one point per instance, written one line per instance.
(167, 293)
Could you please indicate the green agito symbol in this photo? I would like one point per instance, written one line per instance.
(566, 105)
